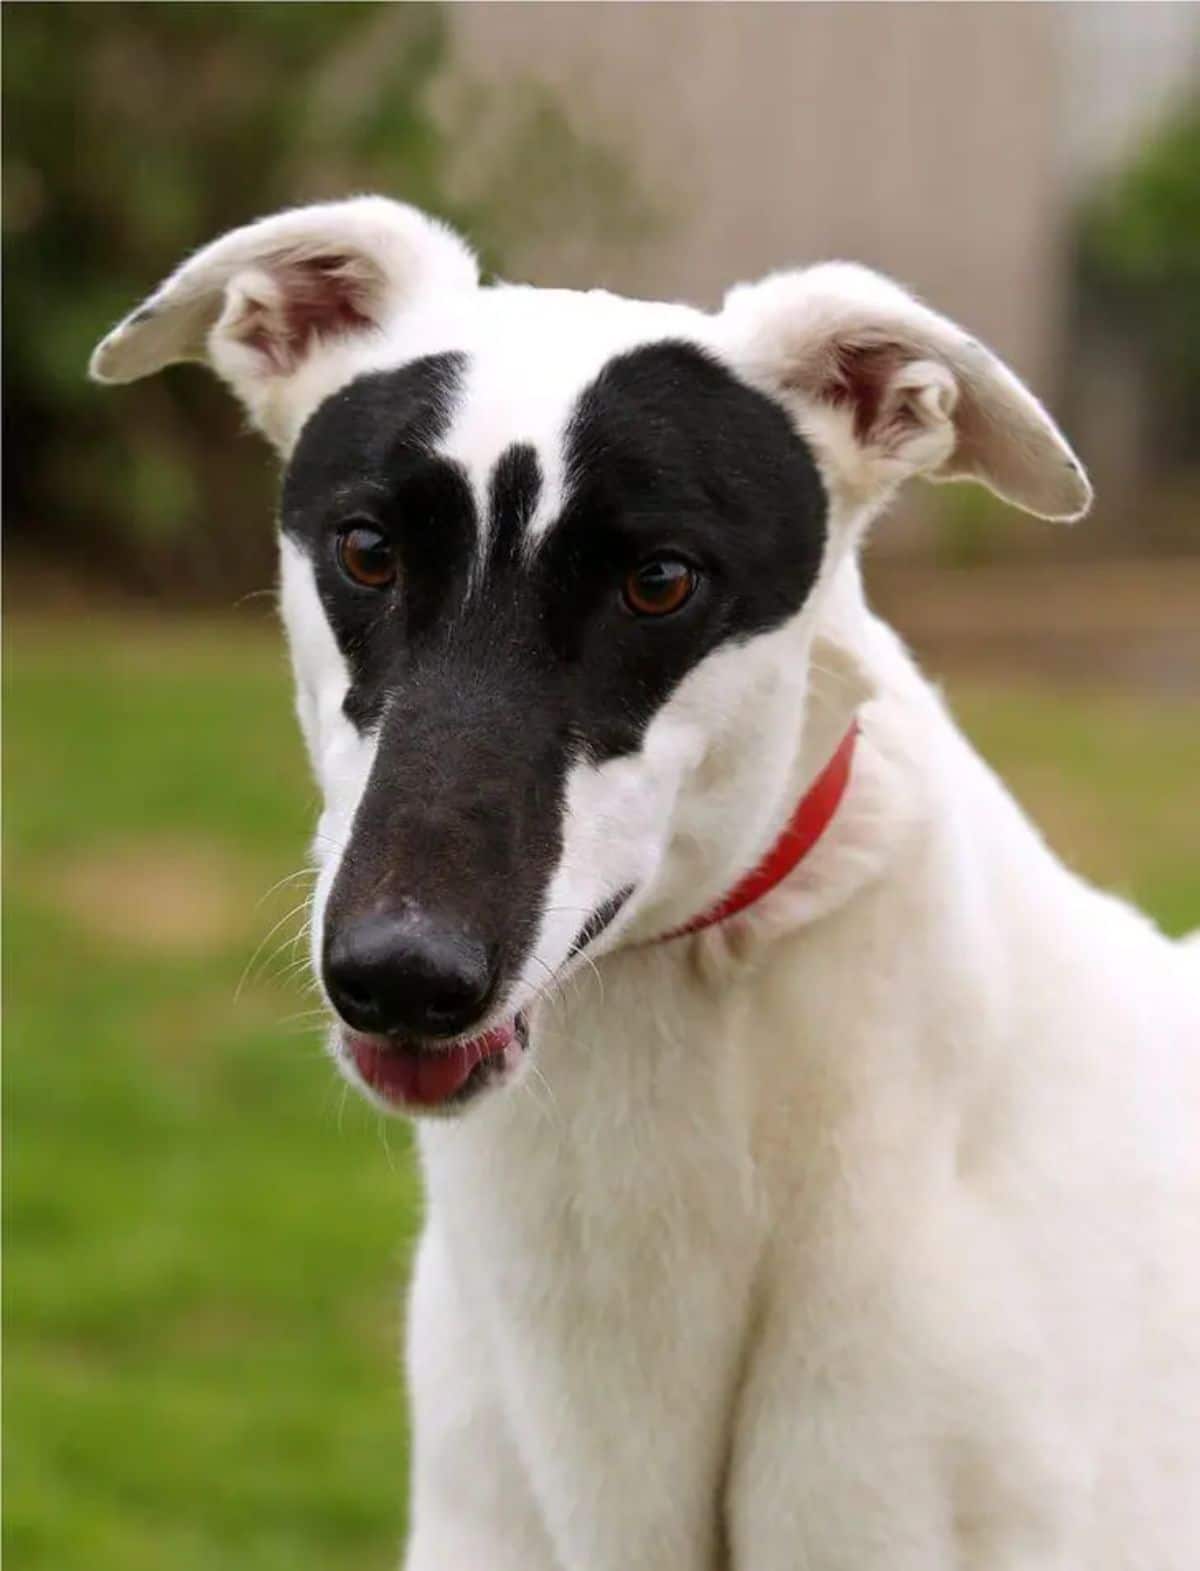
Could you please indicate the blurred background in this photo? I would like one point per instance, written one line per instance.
(206, 1241)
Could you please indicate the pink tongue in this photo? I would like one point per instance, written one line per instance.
(424, 1076)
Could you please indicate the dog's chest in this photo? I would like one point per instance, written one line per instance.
(628, 1148)
(607, 1233)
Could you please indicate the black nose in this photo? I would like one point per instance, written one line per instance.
(407, 973)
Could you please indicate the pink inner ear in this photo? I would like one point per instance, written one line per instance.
(858, 378)
(322, 297)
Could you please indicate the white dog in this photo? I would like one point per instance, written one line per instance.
(825, 1192)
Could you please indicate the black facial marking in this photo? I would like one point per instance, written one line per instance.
(515, 489)
(669, 454)
(368, 453)
(488, 679)
(667, 442)
(603, 916)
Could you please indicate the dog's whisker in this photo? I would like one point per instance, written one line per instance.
(382, 1126)
(291, 969)
(284, 962)
(287, 948)
(266, 938)
(304, 1014)
(550, 991)
(288, 878)
(587, 960)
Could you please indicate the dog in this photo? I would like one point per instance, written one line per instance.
(811, 1158)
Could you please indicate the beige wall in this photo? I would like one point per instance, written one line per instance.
(947, 144)
(921, 139)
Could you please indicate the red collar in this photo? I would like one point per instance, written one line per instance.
(806, 826)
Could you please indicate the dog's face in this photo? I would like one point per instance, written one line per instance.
(527, 617)
(552, 566)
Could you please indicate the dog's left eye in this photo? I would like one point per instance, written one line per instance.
(365, 556)
(659, 586)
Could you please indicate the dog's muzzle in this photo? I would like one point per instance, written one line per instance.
(410, 991)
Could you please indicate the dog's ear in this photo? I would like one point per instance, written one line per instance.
(259, 304)
(885, 388)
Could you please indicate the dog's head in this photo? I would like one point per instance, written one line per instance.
(551, 572)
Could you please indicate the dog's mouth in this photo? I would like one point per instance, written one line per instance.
(414, 1074)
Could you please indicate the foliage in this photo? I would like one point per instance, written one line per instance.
(133, 133)
(1139, 261)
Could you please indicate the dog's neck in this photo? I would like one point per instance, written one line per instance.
(860, 675)
(800, 835)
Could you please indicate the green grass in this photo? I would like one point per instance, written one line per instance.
(1109, 779)
(204, 1247)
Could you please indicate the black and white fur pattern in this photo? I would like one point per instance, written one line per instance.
(861, 1233)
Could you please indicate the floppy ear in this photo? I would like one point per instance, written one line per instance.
(886, 388)
(259, 303)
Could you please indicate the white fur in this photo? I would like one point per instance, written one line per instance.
(861, 1233)
(341, 758)
(878, 1251)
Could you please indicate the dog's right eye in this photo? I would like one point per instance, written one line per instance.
(365, 556)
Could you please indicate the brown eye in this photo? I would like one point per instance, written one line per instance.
(366, 556)
(660, 586)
